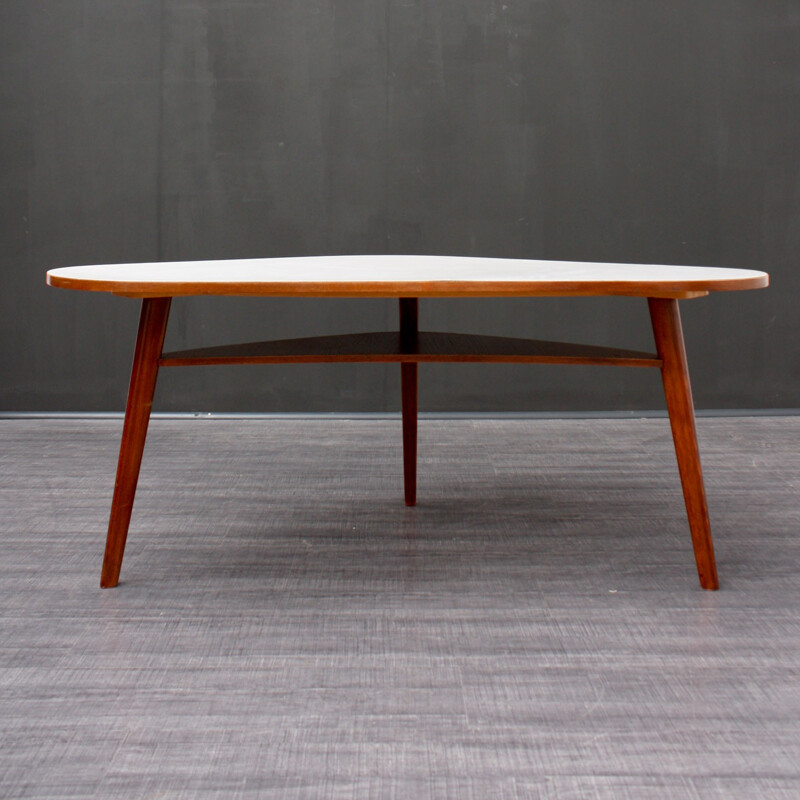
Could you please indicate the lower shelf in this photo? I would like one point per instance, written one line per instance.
(429, 347)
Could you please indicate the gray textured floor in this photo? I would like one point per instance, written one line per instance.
(287, 629)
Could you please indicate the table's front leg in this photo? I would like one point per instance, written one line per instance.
(665, 316)
(149, 343)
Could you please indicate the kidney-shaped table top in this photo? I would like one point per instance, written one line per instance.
(402, 276)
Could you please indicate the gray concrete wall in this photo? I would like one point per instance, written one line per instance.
(179, 129)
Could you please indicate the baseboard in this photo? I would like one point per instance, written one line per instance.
(423, 415)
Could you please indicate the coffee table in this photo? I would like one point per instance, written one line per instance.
(407, 278)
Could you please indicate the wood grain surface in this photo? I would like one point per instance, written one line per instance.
(427, 346)
(409, 394)
(668, 334)
(144, 373)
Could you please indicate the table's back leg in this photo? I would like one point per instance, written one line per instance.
(665, 316)
(149, 343)
(409, 328)
(408, 377)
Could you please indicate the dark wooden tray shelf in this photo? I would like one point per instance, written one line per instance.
(428, 347)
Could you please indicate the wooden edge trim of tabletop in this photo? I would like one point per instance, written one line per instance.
(673, 289)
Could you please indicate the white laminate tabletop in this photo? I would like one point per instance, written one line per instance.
(401, 276)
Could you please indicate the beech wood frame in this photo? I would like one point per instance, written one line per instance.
(409, 347)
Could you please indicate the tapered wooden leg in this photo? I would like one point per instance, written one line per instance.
(408, 377)
(409, 328)
(665, 316)
(149, 343)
